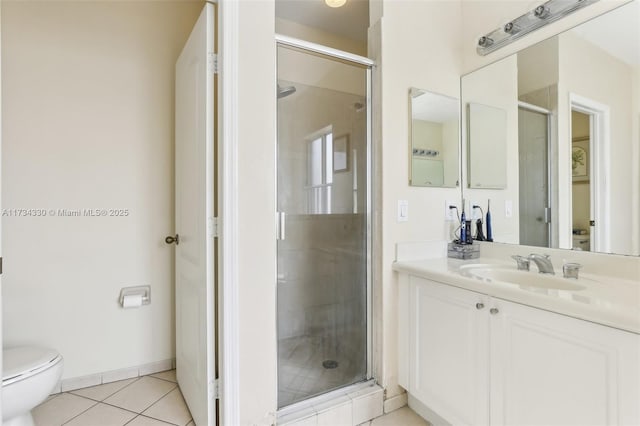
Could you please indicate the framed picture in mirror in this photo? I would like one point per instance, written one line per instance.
(580, 160)
(341, 154)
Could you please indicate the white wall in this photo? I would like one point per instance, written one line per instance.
(419, 47)
(538, 66)
(88, 123)
(635, 138)
(256, 194)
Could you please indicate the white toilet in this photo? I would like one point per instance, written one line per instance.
(29, 375)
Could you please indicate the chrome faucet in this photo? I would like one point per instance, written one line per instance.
(523, 262)
(542, 261)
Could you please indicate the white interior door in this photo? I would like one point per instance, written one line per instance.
(195, 254)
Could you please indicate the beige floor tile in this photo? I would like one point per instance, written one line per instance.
(141, 394)
(404, 416)
(171, 408)
(166, 375)
(102, 415)
(60, 409)
(101, 392)
(147, 421)
(50, 397)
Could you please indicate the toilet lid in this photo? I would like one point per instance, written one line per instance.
(25, 359)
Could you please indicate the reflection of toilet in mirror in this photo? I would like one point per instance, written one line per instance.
(581, 242)
(29, 375)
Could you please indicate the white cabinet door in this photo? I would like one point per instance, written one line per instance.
(448, 351)
(549, 369)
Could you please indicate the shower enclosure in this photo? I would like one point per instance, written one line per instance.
(324, 241)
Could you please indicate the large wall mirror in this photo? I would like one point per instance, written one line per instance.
(434, 139)
(571, 155)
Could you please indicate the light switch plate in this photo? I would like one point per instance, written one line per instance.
(403, 210)
(508, 208)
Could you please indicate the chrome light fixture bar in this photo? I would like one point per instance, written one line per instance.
(542, 15)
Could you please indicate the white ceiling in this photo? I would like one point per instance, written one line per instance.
(617, 32)
(350, 20)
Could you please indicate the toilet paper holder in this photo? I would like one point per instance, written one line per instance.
(144, 291)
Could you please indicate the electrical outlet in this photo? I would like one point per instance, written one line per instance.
(508, 208)
(450, 214)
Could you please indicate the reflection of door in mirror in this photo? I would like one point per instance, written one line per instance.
(533, 151)
(581, 198)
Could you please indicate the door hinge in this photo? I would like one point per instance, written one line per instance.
(213, 62)
(215, 386)
(213, 227)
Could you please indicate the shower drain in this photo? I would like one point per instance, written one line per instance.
(330, 364)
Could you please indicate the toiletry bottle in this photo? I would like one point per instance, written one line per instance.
(463, 226)
(479, 232)
(489, 233)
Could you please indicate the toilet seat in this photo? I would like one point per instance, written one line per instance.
(22, 362)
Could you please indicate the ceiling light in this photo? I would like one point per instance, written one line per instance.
(335, 3)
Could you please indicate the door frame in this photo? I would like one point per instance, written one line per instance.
(227, 132)
(599, 148)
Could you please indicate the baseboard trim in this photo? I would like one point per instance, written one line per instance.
(395, 402)
(80, 382)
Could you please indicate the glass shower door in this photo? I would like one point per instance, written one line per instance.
(322, 204)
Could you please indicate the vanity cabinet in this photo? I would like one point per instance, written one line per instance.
(478, 360)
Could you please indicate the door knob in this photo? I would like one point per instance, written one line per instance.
(171, 239)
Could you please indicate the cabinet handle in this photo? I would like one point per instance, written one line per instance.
(479, 305)
(494, 311)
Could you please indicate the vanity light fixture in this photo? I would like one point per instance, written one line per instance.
(542, 15)
(335, 3)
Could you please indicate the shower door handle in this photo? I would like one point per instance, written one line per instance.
(281, 225)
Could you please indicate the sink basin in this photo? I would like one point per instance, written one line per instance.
(528, 279)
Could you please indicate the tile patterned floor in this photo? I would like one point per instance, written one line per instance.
(153, 400)
(402, 417)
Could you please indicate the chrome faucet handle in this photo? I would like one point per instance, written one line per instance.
(523, 262)
(571, 270)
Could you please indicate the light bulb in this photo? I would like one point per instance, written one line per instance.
(335, 3)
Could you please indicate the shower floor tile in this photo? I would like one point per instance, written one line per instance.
(301, 373)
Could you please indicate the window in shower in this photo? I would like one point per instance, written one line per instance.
(324, 244)
(320, 171)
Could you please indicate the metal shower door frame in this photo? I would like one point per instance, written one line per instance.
(368, 64)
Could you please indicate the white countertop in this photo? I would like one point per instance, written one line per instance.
(609, 301)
